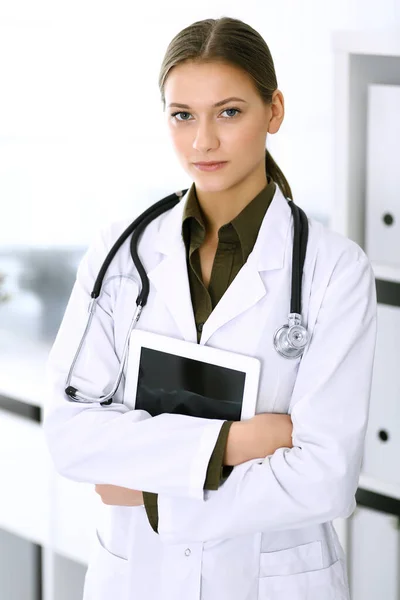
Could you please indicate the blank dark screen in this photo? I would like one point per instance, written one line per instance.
(169, 383)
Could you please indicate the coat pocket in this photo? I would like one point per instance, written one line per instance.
(297, 574)
(107, 575)
(306, 557)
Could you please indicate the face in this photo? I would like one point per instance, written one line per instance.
(235, 131)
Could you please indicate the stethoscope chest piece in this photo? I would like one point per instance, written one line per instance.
(291, 339)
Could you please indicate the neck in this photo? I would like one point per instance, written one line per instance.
(221, 207)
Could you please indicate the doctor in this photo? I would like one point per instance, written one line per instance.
(206, 509)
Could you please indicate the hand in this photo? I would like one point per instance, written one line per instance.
(119, 496)
(257, 437)
(270, 431)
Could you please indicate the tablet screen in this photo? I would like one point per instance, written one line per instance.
(169, 383)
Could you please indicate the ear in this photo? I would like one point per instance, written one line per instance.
(277, 111)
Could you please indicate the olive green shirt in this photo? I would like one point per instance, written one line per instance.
(235, 242)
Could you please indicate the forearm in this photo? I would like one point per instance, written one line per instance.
(238, 446)
(114, 495)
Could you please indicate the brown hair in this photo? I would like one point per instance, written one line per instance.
(230, 41)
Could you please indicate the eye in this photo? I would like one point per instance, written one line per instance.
(236, 110)
(180, 113)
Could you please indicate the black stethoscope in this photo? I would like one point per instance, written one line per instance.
(289, 340)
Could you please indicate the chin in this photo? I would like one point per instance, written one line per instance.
(221, 184)
(211, 186)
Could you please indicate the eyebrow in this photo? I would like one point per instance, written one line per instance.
(220, 103)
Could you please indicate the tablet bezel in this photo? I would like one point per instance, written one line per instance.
(224, 358)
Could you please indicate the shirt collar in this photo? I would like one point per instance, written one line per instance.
(274, 240)
(248, 222)
(243, 229)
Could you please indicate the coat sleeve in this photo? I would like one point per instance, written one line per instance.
(316, 480)
(217, 472)
(113, 444)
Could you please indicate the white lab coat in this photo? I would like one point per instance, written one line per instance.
(266, 533)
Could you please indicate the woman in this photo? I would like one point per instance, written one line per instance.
(206, 508)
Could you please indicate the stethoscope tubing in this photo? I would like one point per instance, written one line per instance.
(156, 209)
(300, 239)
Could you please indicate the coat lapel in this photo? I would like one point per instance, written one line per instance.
(268, 254)
(170, 276)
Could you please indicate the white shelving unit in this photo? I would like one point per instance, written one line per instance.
(363, 59)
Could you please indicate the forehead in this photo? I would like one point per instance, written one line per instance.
(196, 83)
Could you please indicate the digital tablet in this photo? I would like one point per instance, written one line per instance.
(167, 375)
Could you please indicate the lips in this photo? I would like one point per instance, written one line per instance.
(210, 167)
(209, 164)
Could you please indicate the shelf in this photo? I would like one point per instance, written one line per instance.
(374, 485)
(386, 272)
(378, 43)
(22, 375)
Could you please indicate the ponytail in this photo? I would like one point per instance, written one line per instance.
(276, 174)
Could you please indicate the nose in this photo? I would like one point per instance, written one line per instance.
(205, 138)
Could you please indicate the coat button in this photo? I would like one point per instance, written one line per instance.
(188, 552)
(200, 327)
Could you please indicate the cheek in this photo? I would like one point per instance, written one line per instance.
(250, 137)
(178, 139)
(247, 138)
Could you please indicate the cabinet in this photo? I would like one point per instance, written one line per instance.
(367, 64)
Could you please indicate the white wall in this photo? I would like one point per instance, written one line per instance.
(82, 139)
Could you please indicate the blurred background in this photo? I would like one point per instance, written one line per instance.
(83, 143)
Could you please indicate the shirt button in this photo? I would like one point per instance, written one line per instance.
(188, 552)
(200, 327)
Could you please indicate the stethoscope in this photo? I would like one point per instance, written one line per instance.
(289, 340)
